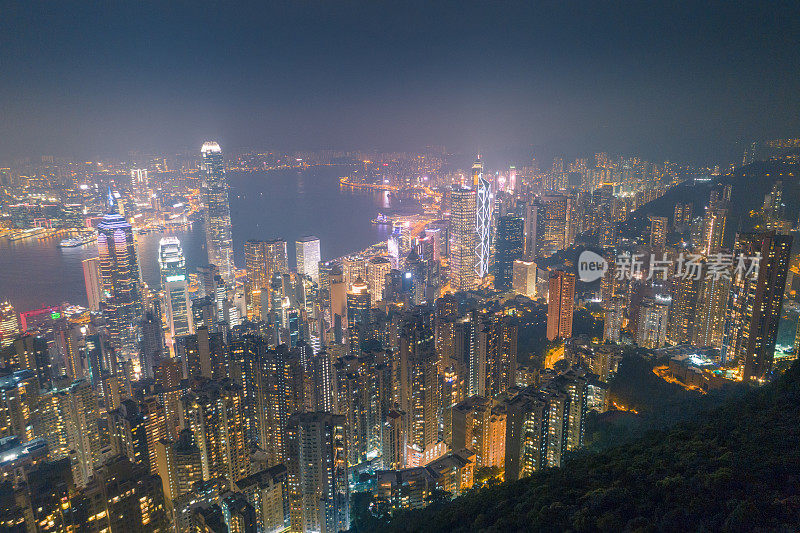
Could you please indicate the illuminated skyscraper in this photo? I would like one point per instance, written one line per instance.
(318, 473)
(483, 221)
(463, 238)
(215, 413)
(419, 381)
(173, 281)
(684, 312)
(509, 244)
(9, 324)
(711, 308)
(524, 278)
(119, 271)
(651, 330)
(219, 242)
(658, 231)
(139, 186)
(358, 308)
(377, 268)
(713, 230)
(307, 251)
(92, 280)
(755, 303)
(560, 305)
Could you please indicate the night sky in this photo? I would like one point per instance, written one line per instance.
(686, 82)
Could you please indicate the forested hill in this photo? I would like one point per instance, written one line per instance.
(736, 469)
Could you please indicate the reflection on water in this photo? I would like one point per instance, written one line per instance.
(264, 205)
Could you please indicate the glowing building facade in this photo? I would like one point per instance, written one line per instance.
(219, 242)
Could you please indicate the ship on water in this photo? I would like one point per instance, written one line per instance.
(80, 240)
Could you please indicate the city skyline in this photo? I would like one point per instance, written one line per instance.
(428, 267)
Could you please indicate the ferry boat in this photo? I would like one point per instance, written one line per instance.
(80, 240)
(382, 220)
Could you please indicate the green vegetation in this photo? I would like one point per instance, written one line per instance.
(736, 468)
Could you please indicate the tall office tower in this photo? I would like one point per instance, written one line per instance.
(215, 414)
(483, 220)
(479, 425)
(140, 191)
(179, 465)
(257, 287)
(93, 282)
(364, 387)
(524, 278)
(377, 269)
(358, 314)
(651, 329)
(463, 238)
(124, 496)
(684, 312)
(755, 303)
(659, 226)
(354, 267)
(219, 242)
(419, 381)
(682, 217)
(275, 252)
(509, 244)
(613, 311)
(9, 324)
(711, 309)
(338, 292)
(204, 313)
(537, 425)
(550, 218)
(173, 280)
(560, 305)
(713, 230)
(307, 251)
(318, 472)
(151, 345)
(119, 271)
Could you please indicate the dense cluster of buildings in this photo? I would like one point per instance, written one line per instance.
(259, 399)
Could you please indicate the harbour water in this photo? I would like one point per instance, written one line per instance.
(264, 205)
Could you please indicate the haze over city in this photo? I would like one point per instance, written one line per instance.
(350, 267)
(687, 83)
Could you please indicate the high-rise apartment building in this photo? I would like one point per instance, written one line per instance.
(215, 414)
(318, 472)
(419, 381)
(560, 305)
(463, 238)
(308, 257)
(659, 226)
(755, 303)
(219, 240)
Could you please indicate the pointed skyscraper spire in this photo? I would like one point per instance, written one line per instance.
(112, 202)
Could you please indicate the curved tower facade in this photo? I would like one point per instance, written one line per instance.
(119, 274)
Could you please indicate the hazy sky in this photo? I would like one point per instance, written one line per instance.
(685, 82)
